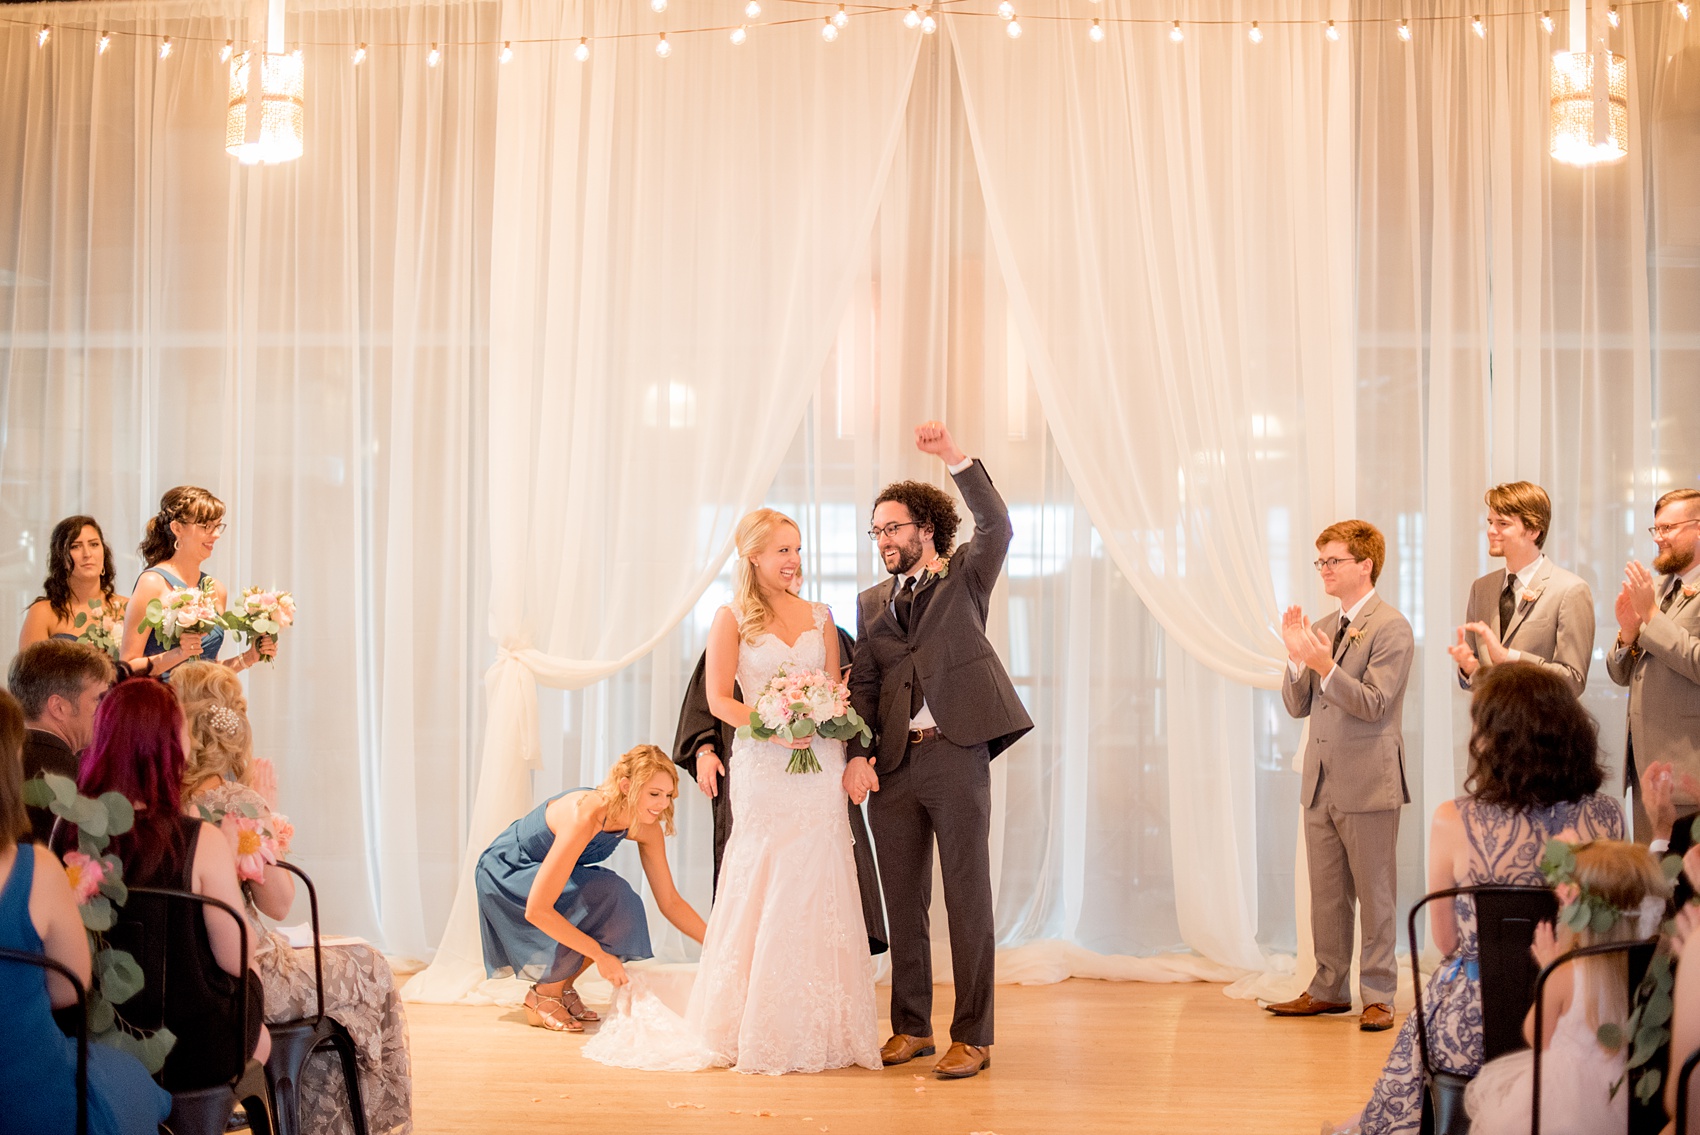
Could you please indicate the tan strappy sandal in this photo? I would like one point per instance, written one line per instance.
(574, 1004)
(549, 1013)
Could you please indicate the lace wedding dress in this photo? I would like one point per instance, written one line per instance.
(786, 982)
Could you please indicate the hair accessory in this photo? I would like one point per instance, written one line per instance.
(223, 719)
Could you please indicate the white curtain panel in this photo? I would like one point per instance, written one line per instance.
(674, 243)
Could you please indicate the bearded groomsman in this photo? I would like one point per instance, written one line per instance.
(1657, 655)
(1531, 610)
(1347, 674)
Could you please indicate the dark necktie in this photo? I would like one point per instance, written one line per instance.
(1670, 593)
(904, 605)
(1507, 603)
(1339, 634)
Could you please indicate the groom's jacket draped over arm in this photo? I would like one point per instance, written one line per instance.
(966, 687)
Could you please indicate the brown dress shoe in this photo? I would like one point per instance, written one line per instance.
(901, 1049)
(963, 1061)
(1376, 1017)
(1304, 1005)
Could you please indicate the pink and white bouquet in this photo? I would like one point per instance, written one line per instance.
(799, 702)
(179, 611)
(101, 626)
(261, 611)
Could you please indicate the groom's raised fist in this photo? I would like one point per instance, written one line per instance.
(932, 437)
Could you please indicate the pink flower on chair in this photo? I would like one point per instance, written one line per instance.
(85, 874)
(254, 848)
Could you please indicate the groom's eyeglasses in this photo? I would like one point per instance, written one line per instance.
(889, 530)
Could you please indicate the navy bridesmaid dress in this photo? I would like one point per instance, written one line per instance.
(211, 642)
(595, 899)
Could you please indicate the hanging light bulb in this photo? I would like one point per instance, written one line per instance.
(227, 51)
(1478, 27)
(263, 121)
(928, 24)
(1612, 17)
(1006, 10)
(912, 18)
(1682, 9)
(738, 36)
(360, 55)
(507, 55)
(1175, 33)
(1095, 33)
(840, 17)
(828, 31)
(1255, 34)
(165, 48)
(752, 10)
(582, 51)
(101, 44)
(1013, 28)
(433, 57)
(658, 6)
(662, 47)
(1405, 30)
(1332, 32)
(42, 36)
(1546, 22)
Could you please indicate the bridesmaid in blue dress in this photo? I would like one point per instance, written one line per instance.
(179, 540)
(38, 915)
(79, 582)
(548, 912)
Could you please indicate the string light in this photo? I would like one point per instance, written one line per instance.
(738, 36)
(1478, 27)
(1546, 22)
(1612, 16)
(507, 55)
(1255, 34)
(828, 32)
(1332, 32)
(360, 55)
(41, 36)
(840, 18)
(658, 6)
(227, 51)
(165, 48)
(912, 18)
(752, 10)
(1175, 33)
(434, 57)
(101, 44)
(1682, 9)
(1096, 32)
(1405, 30)
(582, 51)
(1006, 10)
(662, 47)
(928, 24)
(1013, 28)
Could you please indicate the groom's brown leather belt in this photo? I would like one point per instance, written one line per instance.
(916, 736)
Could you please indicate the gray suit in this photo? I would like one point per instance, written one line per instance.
(940, 787)
(1353, 788)
(1662, 671)
(1554, 629)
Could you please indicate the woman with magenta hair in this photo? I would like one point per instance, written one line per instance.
(139, 747)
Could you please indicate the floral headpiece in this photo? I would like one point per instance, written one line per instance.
(1590, 910)
(222, 719)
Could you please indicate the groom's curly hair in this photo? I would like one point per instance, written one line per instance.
(927, 504)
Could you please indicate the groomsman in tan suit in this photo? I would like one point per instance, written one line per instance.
(1657, 654)
(1531, 610)
(1347, 675)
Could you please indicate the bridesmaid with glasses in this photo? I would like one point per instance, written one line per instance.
(179, 540)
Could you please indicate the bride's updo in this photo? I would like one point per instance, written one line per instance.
(638, 767)
(751, 607)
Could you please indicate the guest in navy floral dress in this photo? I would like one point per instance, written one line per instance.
(1535, 773)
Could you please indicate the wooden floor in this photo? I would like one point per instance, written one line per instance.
(1079, 1058)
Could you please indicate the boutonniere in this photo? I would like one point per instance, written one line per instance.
(1530, 595)
(1690, 592)
(1353, 632)
(942, 570)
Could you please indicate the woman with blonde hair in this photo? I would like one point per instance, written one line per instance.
(546, 909)
(225, 785)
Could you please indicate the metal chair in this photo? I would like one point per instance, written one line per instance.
(1638, 954)
(294, 1041)
(45, 963)
(1506, 916)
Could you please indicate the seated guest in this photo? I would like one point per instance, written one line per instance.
(79, 583)
(547, 912)
(1535, 772)
(1580, 1078)
(1685, 1012)
(38, 915)
(140, 741)
(222, 779)
(59, 685)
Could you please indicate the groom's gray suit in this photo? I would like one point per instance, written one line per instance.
(939, 786)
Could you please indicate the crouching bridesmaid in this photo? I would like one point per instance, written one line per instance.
(548, 912)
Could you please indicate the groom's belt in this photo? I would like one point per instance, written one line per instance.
(916, 736)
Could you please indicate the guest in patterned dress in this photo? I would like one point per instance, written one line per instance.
(222, 779)
(1535, 774)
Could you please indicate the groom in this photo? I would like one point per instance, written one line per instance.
(941, 707)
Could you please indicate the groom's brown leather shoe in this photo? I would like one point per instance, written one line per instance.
(901, 1049)
(1304, 1005)
(962, 1061)
(1376, 1017)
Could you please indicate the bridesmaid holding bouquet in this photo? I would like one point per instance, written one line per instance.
(77, 598)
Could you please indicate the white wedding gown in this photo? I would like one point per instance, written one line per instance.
(786, 983)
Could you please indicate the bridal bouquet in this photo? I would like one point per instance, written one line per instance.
(101, 626)
(181, 610)
(798, 703)
(261, 611)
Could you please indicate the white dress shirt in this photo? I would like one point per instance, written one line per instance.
(1522, 577)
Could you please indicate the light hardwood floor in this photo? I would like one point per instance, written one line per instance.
(1079, 1058)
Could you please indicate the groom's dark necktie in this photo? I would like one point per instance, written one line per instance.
(904, 605)
(1507, 604)
(1339, 634)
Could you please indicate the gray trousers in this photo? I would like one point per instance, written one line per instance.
(1353, 859)
(939, 790)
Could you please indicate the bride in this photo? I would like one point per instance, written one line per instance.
(786, 982)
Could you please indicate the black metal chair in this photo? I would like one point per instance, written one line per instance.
(1682, 1080)
(1639, 955)
(294, 1041)
(1506, 916)
(47, 964)
(207, 1111)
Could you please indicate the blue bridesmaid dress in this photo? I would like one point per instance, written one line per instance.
(211, 642)
(595, 899)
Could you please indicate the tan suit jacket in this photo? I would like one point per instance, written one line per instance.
(1555, 628)
(1356, 748)
(1662, 671)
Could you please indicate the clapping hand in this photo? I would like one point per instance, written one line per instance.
(1463, 655)
(1497, 654)
(1658, 780)
(1294, 626)
(1545, 948)
(262, 778)
(933, 438)
(1638, 586)
(1628, 622)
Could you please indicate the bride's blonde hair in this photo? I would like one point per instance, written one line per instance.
(749, 605)
(638, 766)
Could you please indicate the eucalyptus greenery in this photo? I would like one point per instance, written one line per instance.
(117, 977)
